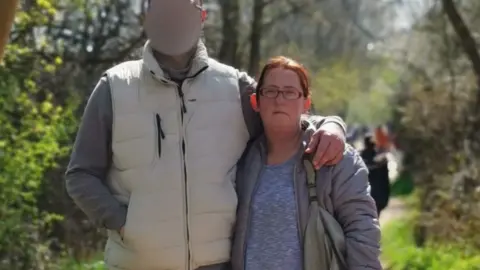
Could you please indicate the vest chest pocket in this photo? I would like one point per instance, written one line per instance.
(133, 141)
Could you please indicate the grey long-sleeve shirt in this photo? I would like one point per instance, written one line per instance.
(92, 153)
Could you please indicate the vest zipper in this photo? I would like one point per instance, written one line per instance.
(160, 134)
(182, 112)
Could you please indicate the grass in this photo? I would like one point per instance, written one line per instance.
(95, 264)
(400, 252)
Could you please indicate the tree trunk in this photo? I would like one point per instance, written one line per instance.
(466, 40)
(470, 48)
(255, 36)
(230, 31)
(7, 13)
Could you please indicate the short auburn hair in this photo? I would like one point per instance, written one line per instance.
(285, 63)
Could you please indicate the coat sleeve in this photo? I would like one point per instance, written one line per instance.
(355, 210)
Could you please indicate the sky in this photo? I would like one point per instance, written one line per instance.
(410, 10)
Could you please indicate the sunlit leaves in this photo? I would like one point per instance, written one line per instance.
(34, 130)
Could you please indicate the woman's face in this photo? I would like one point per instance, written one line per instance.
(281, 100)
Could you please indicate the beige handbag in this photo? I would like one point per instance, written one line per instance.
(324, 243)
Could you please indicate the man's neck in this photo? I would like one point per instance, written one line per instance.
(175, 62)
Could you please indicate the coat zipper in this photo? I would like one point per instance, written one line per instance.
(249, 218)
(295, 193)
(183, 110)
(160, 134)
(250, 210)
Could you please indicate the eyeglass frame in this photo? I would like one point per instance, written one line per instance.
(278, 91)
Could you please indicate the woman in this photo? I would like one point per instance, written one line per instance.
(272, 185)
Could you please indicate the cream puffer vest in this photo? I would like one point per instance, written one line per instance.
(174, 163)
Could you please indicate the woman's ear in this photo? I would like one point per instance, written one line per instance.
(307, 104)
(254, 102)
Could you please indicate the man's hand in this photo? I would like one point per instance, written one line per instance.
(327, 145)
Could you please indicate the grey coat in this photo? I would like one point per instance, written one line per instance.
(343, 188)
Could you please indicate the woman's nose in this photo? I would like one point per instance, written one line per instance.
(280, 98)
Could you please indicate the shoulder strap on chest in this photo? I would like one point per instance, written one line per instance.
(311, 181)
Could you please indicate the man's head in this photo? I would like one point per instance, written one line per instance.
(174, 26)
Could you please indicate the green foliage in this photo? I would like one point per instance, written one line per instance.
(32, 140)
(96, 264)
(400, 252)
(35, 132)
(359, 93)
(334, 86)
(431, 129)
(403, 185)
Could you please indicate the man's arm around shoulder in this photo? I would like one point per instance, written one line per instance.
(90, 162)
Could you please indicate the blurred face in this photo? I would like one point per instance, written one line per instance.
(173, 26)
(281, 101)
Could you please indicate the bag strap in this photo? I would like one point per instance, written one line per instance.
(311, 181)
(312, 196)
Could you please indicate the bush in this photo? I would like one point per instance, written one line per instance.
(35, 136)
(31, 142)
(432, 130)
(403, 185)
(400, 252)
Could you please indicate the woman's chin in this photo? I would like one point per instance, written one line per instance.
(281, 127)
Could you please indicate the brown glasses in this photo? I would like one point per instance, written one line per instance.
(289, 94)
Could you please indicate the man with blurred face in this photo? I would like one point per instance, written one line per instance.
(155, 157)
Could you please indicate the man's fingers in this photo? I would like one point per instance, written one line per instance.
(320, 157)
(312, 145)
(335, 151)
(336, 159)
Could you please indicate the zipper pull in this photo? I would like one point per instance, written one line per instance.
(159, 126)
(182, 97)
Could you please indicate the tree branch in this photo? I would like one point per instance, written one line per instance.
(466, 40)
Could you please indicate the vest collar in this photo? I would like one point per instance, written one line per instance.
(199, 61)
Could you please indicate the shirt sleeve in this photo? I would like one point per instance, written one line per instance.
(91, 159)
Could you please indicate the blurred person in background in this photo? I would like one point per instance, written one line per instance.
(377, 164)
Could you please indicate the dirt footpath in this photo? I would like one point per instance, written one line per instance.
(396, 209)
